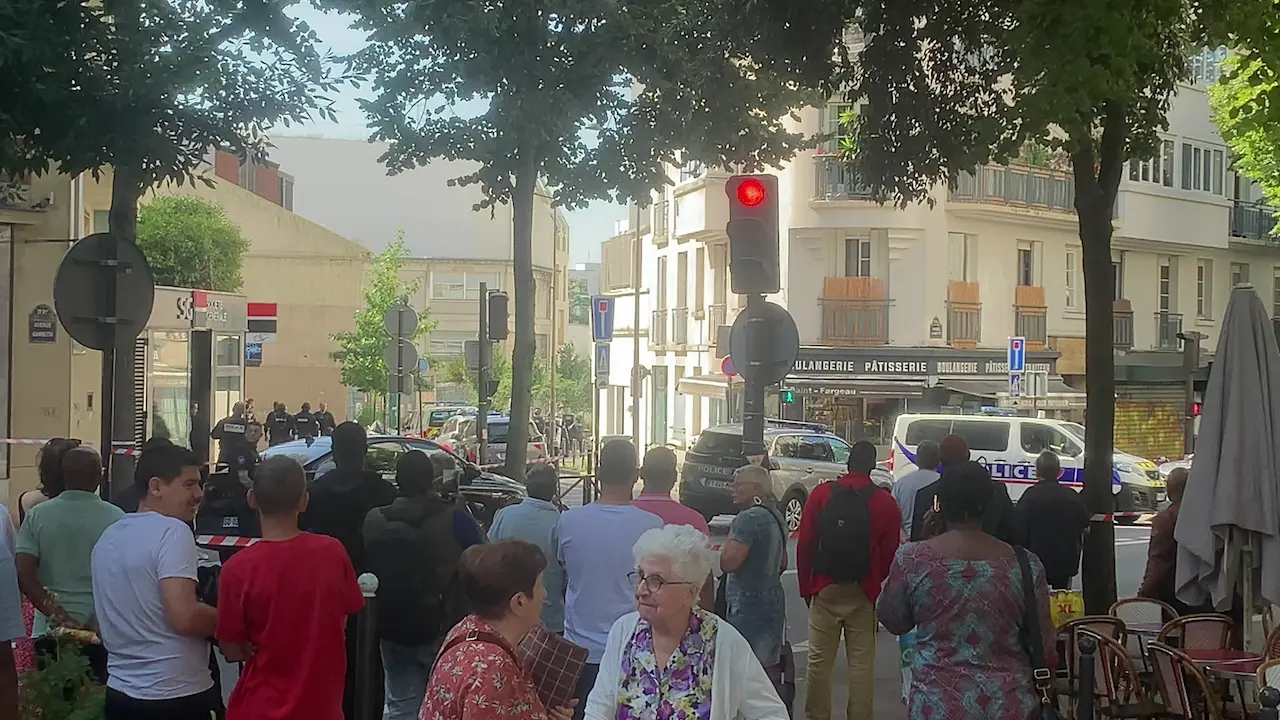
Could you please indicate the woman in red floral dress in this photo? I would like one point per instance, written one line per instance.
(478, 675)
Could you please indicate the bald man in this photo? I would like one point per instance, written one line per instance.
(54, 546)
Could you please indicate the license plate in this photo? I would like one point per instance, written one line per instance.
(1160, 496)
(717, 484)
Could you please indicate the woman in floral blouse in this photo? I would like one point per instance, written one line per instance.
(478, 675)
(671, 659)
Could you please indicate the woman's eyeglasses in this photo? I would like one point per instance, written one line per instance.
(652, 583)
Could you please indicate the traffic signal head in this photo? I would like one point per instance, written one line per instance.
(787, 396)
(753, 234)
(491, 389)
(499, 317)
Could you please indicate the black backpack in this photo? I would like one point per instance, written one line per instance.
(416, 562)
(844, 535)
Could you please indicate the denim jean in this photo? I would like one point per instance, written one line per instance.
(406, 670)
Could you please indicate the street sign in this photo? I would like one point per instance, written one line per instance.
(253, 354)
(1015, 385)
(400, 356)
(726, 367)
(781, 344)
(400, 320)
(471, 352)
(1017, 354)
(602, 364)
(602, 319)
(80, 292)
(424, 366)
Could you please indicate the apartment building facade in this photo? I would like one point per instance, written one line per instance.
(453, 245)
(910, 310)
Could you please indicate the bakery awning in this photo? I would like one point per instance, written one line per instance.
(844, 387)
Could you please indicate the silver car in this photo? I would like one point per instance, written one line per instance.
(496, 450)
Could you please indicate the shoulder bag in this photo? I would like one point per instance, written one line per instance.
(1041, 675)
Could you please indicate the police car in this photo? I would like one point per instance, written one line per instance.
(1008, 445)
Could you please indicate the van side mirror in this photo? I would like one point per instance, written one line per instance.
(773, 464)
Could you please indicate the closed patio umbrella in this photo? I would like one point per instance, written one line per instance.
(1228, 529)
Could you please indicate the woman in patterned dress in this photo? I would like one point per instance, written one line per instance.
(962, 592)
(478, 675)
(671, 659)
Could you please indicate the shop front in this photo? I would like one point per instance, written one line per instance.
(189, 363)
(859, 392)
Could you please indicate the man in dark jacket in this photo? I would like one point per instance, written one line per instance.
(413, 545)
(234, 447)
(1052, 519)
(999, 519)
(325, 419)
(338, 502)
(279, 425)
(304, 423)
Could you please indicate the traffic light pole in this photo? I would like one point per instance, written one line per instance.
(482, 377)
(753, 387)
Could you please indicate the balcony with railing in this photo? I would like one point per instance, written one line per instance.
(1030, 315)
(658, 330)
(1253, 220)
(680, 327)
(833, 180)
(1168, 325)
(1017, 186)
(855, 312)
(964, 314)
(1122, 325)
(617, 256)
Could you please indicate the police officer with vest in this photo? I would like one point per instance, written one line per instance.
(231, 432)
(305, 424)
(279, 425)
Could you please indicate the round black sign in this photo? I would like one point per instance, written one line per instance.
(80, 292)
(780, 344)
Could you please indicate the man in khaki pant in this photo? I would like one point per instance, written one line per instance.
(848, 536)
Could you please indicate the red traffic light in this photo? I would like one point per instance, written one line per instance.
(1195, 409)
(751, 192)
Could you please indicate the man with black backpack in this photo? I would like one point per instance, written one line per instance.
(413, 545)
(849, 533)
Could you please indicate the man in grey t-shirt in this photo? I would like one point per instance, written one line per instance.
(928, 455)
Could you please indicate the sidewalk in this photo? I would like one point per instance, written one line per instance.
(888, 688)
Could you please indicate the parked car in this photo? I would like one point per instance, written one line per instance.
(467, 445)
(224, 511)
(439, 415)
(801, 455)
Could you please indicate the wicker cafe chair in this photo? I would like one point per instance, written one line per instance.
(1175, 677)
(1142, 611)
(1272, 650)
(1269, 675)
(1106, 625)
(1116, 684)
(1202, 631)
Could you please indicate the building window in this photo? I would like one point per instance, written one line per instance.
(1203, 168)
(1165, 286)
(101, 221)
(692, 169)
(1206, 65)
(448, 286)
(962, 250)
(832, 129)
(857, 257)
(660, 302)
(492, 282)
(682, 280)
(1072, 274)
(1204, 288)
(286, 192)
(542, 346)
(446, 348)
(700, 278)
(1117, 279)
(1239, 273)
(1026, 267)
(1158, 170)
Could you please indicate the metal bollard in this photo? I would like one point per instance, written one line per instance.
(589, 480)
(1270, 698)
(368, 704)
(1088, 648)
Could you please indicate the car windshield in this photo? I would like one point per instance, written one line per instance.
(440, 417)
(299, 450)
(1075, 430)
(718, 444)
(498, 432)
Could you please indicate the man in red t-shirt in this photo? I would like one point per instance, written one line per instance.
(848, 608)
(283, 605)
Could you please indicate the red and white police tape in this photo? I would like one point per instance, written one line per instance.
(225, 541)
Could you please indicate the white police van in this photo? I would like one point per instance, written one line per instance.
(1008, 445)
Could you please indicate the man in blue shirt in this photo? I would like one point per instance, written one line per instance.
(595, 548)
(535, 520)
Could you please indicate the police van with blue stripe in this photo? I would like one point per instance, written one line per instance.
(1008, 445)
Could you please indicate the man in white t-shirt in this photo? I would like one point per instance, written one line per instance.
(144, 591)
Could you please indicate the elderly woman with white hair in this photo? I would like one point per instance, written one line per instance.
(670, 659)
(753, 560)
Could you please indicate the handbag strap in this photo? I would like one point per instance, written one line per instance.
(483, 637)
(1040, 672)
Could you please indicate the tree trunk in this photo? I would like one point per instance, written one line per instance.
(525, 344)
(126, 188)
(1095, 198)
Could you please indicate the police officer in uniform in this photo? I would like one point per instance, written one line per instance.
(279, 425)
(234, 447)
(305, 424)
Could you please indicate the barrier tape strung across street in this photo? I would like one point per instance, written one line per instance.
(225, 541)
(1111, 517)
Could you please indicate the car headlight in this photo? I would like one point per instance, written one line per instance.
(1128, 468)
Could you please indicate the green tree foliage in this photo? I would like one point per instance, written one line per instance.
(148, 86)
(654, 85)
(945, 86)
(579, 302)
(62, 688)
(573, 381)
(1250, 122)
(190, 242)
(361, 352)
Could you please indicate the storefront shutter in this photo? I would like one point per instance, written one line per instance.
(139, 391)
(1149, 420)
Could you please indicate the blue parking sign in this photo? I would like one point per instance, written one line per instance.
(601, 319)
(1017, 354)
